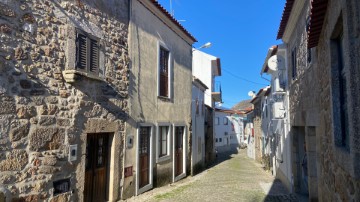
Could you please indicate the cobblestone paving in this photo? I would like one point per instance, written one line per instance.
(235, 177)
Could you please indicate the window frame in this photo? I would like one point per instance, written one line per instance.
(294, 63)
(159, 156)
(340, 99)
(162, 46)
(89, 52)
(225, 121)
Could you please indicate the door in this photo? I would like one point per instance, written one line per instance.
(96, 167)
(179, 133)
(144, 156)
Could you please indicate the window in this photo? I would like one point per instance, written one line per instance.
(225, 120)
(220, 139)
(164, 71)
(294, 63)
(197, 106)
(217, 121)
(202, 108)
(216, 140)
(340, 95)
(307, 31)
(163, 141)
(87, 53)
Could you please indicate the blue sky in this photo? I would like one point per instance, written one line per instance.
(241, 32)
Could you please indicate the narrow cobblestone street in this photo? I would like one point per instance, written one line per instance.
(234, 177)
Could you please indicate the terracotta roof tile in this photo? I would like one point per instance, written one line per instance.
(317, 15)
(285, 18)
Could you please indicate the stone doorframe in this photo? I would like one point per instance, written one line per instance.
(151, 159)
(115, 150)
(176, 178)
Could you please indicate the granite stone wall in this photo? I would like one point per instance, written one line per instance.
(40, 113)
(339, 169)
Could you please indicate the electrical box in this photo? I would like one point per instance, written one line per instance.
(73, 152)
(278, 110)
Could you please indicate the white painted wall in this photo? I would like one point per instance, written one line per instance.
(250, 140)
(223, 131)
(198, 127)
(202, 69)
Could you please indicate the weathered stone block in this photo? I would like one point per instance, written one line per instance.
(63, 122)
(46, 120)
(6, 29)
(49, 160)
(28, 18)
(52, 100)
(47, 139)
(26, 112)
(7, 107)
(6, 179)
(61, 198)
(15, 161)
(48, 170)
(64, 93)
(19, 132)
(6, 11)
(40, 137)
(20, 54)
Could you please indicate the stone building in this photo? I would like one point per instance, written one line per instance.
(334, 33)
(322, 37)
(157, 132)
(261, 119)
(63, 99)
(303, 90)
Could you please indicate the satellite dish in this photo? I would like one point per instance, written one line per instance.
(276, 62)
(251, 94)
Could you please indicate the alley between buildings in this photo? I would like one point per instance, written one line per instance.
(233, 177)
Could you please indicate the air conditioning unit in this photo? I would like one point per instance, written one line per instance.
(278, 110)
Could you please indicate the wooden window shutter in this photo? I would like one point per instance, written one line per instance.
(81, 52)
(94, 56)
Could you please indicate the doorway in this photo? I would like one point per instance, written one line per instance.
(144, 156)
(179, 135)
(96, 167)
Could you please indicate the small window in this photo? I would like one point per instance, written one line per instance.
(294, 63)
(163, 140)
(340, 95)
(197, 106)
(216, 140)
(220, 139)
(164, 72)
(202, 108)
(225, 120)
(87, 53)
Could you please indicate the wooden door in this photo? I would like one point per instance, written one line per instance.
(179, 132)
(96, 167)
(144, 156)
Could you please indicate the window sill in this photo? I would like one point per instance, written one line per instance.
(166, 99)
(162, 159)
(72, 76)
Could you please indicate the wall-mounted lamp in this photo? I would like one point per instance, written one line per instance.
(207, 45)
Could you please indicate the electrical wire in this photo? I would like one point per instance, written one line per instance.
(241, 78)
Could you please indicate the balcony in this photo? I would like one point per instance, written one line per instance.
(216, 94)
